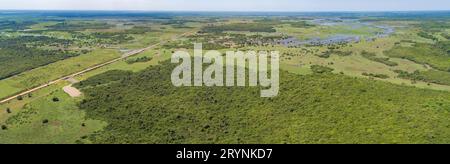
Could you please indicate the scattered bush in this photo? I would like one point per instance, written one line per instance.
(381, 76)
(321, 69)
(373, 57)
(139, 60)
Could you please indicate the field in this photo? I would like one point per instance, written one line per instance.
(366, 79)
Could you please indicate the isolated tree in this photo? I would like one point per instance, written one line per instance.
(55, 99)
(4, 127)
(8, 110)
(20, 98)
(45, 121)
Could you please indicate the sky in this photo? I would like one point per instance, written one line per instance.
(228, 5)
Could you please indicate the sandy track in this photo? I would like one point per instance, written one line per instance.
(71, 91)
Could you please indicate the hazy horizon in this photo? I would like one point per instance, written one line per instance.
(229, 6)
(231, 11)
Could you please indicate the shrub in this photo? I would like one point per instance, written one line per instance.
(55, 99)
(139, 60)
(381, 76)
(321, 69)
(373, 57)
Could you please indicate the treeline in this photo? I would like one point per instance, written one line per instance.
(25, 53)
(380, 76)
(250, 27)
(138, 60)
(18, 59)
(111, 37)
(434, 26)
(293, 23)
(224, 40)
(190, 45)
(78, 26)
(91, 39)
(15, 25)
(301, 24)
(35, 41)
(373, 57)
(321, 69)
(430, 76)
(328, 53)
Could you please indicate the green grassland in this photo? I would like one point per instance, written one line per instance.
(45, 121)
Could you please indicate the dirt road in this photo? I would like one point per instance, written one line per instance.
(132, 53)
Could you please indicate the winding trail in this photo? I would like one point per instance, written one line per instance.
(126, 55)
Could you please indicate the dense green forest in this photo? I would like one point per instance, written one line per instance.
(145, 107)
(24, 53)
